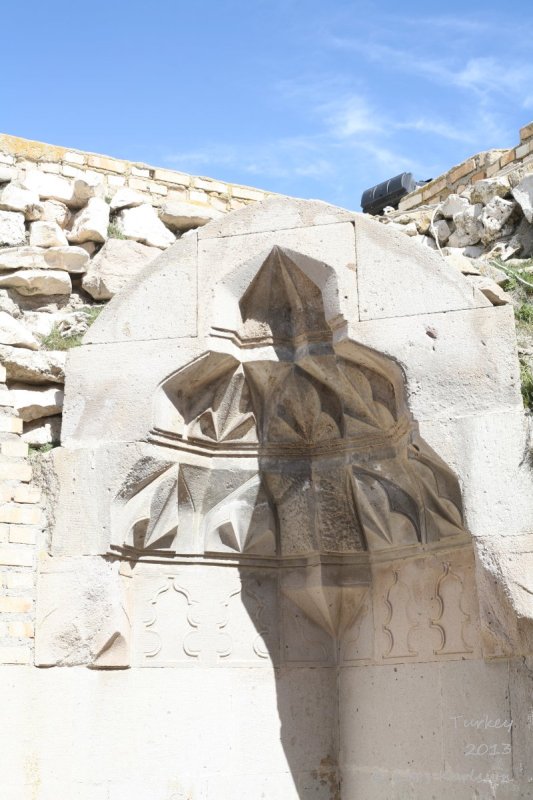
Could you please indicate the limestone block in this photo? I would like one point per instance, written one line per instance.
(143, 225)
(393, 275)
(44, 366)
(71, 259)
(140, 303)
(453, 204)
(48, 186)
(13, 332)
(496, 482)
(458, 363)
(83, 189)
(82, 614)
(47, 234)
(7, 173)
(14, 197)
(12, 230)
(491, 290)
(126, 198)
(181, 216)
(55, 211)
(468, 227)
(33, 402)
(485, 190)
(493, 218)
(8, 305)
(441, 230)
(30, 282)
(276, 214)
(117, 263)
(523, 194)
(465, 265)
(90, 224)
(46, 430)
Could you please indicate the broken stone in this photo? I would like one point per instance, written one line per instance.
(181, 216)
(454, 204)
(83, 189)
(483, 191)
(91, 223)
(115, 265)
(14, 197)
(126, 198)
(13, 332)
(493, 218)
(46, 430)
(7, 173)
(34, 402)
(491, 290)
(12, 229)
(55, 211)
(468, 228)
(48, 186)
(462, 263)
(47, 234)
(441, 231)
(28, 366)
(36, 281)
(143, 225)
(71, 259)
(523, 194)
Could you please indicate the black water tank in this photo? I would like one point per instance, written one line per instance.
(388, 193)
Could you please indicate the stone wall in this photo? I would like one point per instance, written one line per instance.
(75, 227)
(483, 165)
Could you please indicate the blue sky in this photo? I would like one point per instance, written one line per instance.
(302, 97)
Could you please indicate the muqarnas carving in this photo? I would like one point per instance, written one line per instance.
(287, 443)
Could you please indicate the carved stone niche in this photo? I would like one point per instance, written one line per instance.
(277, 448)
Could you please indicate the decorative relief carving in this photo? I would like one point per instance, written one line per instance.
(280, 443)
(452, 620)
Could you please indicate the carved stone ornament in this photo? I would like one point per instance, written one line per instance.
(286, 441)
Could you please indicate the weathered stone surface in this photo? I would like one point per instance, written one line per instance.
(493, 218)
(22, 364)
(523, 194)
(454, 204)
(485, 190)
(46, 430)
(181, 216)
(441, 231)
(126, 198)
(55, 211)
(468, 227)
(70, 259)
(48, 186)
(143, 225)
(12, 229)
(47, 234)
(13, 332)
(73, 634)
(118, 262)
(7, 173)
(83, 189)
(90, 224)
(465, 265)
(14, 197)
(33, 402)
(37, 281)
(491, 290)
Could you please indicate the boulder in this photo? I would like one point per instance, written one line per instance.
(12, 229)
(46, 430)
(37, 281)
(468, 228)
(70, 259)
(91, 223)
(493, 218)
(453, 204)
(14, 197)
(28, 366)
(483, 191)
(126, 198)
(34, 402)
(13, 332)
(48, 186)
(47, 234)
(181, 216)
(55, 211)
(115, 265)
(143, 225)
(83, 189)
(523, 194)
(441, 231)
